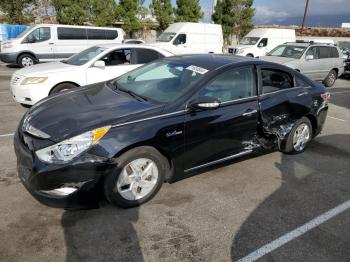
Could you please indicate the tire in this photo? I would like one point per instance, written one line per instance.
(123, 191)
(61, 88)
(249, 55)
(26, 60)
(331, 78)
(292, 146)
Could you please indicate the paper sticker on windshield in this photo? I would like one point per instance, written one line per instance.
(197, 69)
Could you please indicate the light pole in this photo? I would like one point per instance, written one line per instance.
(305, 13)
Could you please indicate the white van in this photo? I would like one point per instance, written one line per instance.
(191, 38)
(48, 42)
(260, 41)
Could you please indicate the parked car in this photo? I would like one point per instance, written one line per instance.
(95, 64)
(48, 42)
(319, 62)
(191, 38)
(260, 41)
(133, 41)
(162, 122)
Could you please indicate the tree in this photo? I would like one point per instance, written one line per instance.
(128, 13)
(74, 12)
(103, 12)
(17, 11)
(235, 16)
(187, 11)
(163, 11)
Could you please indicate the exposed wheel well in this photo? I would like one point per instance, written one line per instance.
(67, 82)
(336, 70)
(313, 121)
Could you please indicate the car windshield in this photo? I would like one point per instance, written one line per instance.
(84, 56)
(249, 40)
(288, 51)
(166, 37)
(24, 32)
(161, 82)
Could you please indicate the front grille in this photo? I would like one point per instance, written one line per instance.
(232, 50)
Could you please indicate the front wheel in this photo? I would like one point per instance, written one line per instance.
(26, 60)
(299, 137)
(137, 178)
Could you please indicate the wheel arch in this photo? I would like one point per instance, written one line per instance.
(64, 82)
(314, 124)
(26, 52)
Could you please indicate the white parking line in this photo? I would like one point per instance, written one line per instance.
(296, 233)
(6, 135)
(3, 92)
(343, 120)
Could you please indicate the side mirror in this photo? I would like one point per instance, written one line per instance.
(100, 64)
(261, 45)
(309, 57)
(204, 103)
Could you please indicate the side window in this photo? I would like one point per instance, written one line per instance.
(300, 82)
(67, 33)
(231, 85)
(275, 80)
(334, 52)
(263, 42)
(111, 34)
(146, 55)
(324, 52)
(313, 51)
(96, 34)
(38, 35)
(117, 57)
(180, 39)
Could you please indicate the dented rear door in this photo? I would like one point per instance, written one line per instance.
(282, 101)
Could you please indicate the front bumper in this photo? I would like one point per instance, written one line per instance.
(70, 186)
(10, 58)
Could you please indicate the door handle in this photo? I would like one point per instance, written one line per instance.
(51, 43)
(250, 112)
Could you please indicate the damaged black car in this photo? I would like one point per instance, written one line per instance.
(160, 123)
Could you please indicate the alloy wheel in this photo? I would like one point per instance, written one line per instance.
(301, 137)
(27, 61)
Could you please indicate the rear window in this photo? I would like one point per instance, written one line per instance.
(66, 33)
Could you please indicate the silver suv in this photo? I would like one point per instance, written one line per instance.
(320, 62)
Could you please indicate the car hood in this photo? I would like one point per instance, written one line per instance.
(45, 68)
(83, 109)
(277, 59)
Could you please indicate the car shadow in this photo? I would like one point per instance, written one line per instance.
(312, 183)
(104, 234)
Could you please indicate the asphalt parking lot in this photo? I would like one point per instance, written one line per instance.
(288, 207)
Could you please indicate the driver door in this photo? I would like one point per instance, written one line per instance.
(216, 134)
(38, 41)
(180, 44)
(117, 63)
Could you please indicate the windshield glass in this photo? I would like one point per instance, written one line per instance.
(288, 51)
(162, 81)
(249, 40)
(166, 37)
(84, 56)
(24, 32)
(344, 46)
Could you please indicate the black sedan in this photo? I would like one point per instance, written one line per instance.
(162, 122)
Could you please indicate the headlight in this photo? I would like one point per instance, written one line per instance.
(68, 149)
(240, 51)
(33, 80)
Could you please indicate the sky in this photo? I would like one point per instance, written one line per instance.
(281, 11)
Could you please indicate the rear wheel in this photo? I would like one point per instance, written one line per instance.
(137, 178)
(26, 60)
(331, 78)
(299, 136)
(62, 87)
(250, 55)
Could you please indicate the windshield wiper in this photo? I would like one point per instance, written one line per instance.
(131, 93)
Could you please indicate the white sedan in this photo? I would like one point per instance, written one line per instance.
(95, 64)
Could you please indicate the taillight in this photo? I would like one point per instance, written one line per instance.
(326, 96)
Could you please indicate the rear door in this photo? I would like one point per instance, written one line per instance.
(70, 40)
(282, 99)
(215, 134)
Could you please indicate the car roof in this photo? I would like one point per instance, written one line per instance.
(116, 45)
(306, 44)
(212, 61)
